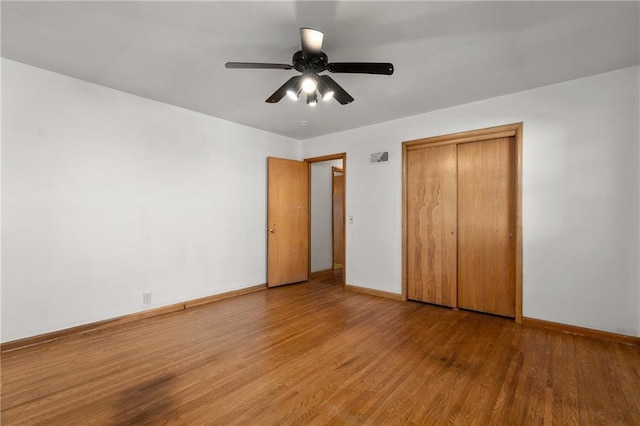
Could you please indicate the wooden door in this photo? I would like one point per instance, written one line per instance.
(288, 221)
(338, 218)
(431, 225)
(486, 226)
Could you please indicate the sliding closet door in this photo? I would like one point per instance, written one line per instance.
(486, 226)
(431, 225)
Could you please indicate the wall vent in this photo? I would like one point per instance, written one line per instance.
(379, 157)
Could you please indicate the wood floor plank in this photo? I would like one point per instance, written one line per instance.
(314, 353)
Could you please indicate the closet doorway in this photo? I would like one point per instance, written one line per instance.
(462, 231)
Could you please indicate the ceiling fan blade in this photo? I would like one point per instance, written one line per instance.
(257, 65)
(384, 68)
(339, 93)
(311, 41)
(293, 83)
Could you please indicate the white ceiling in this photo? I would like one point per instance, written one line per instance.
(444, 53)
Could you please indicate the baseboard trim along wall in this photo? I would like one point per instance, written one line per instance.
(581, 331)
(99, 325)
(372, 292)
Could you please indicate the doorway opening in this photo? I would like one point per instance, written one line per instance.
(327, 260)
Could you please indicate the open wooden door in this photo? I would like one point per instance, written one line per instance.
(288, 221)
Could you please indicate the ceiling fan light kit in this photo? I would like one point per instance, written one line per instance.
(309, 84)
(311, 61)
(312, 99)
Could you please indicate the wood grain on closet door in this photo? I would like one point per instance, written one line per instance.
(486, 226)
(431, 221)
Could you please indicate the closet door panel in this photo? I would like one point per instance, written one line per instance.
(431, 225)
(486, 226)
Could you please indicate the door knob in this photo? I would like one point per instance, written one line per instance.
(272, 230)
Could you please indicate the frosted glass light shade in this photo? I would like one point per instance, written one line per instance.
(308, 85)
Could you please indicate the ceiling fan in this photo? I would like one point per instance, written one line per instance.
(311, 61)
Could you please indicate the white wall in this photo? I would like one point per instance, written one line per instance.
(322, 215)
(581, 195)
(106, 195)
(0, 198)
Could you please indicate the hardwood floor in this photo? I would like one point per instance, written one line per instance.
(313, 353)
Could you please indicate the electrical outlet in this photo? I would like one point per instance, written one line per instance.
(146, 297)
(351, 219)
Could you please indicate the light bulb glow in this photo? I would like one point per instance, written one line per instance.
(308, 85)
(293, 95)
(312, 99)
(328, 95)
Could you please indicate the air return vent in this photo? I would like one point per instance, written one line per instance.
(379, 157)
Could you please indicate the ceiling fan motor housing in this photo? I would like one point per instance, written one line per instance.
(314, 64)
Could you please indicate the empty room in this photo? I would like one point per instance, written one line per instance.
(320, 212)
